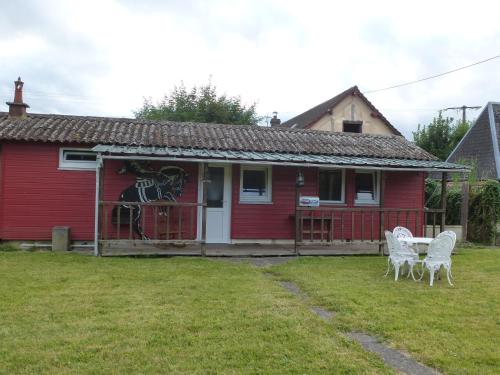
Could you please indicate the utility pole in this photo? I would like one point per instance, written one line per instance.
(464, 109)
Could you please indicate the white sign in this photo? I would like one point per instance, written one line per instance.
(309, 201)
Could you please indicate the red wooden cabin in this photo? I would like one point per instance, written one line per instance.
(238, 192)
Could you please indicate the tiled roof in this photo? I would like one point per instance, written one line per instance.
(480, 145)
(307, 118)
(135, 132)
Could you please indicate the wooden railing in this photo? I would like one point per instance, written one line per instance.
(330, 225)
(160, 222)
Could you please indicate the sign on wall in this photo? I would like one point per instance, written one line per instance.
(308, 201)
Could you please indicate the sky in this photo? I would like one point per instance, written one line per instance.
(103, 57)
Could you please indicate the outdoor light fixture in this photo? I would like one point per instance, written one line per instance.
(299, 182)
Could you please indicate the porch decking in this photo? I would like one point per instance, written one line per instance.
(236, 250)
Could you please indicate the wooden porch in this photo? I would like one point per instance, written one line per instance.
(170, 229)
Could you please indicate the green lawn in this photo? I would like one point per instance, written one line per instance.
(454, 329)
(68, 313)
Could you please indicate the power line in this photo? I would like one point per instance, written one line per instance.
(433, 76)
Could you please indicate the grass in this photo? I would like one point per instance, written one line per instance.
(453, 329)
(73, 314)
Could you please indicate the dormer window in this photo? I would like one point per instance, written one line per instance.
(352, 126)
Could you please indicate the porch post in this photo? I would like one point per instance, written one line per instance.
(97, 199)
(381, 213)
(297, 220)
(204, 182)
(444, 179)
(464, 209)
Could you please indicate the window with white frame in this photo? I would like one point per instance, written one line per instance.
(77, 158)
(367, 187)
(331, 186)
(255, 184)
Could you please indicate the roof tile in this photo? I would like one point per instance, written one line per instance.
(137, 132)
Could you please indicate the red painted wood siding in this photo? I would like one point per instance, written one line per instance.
(36, 195)
(269, 221)
(275, 220)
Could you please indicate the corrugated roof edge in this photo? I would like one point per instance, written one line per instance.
(280, 158)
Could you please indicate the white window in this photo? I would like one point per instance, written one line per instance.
(255, 184)
(77, 158)
(367, 187)
(331, 185)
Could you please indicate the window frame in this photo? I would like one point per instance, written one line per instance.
(376, 185)
(75, 165)
(352, 123)
(252, 199)
(342, 194)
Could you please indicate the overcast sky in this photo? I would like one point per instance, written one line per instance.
(103, 57)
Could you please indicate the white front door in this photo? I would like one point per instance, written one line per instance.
(218, 221)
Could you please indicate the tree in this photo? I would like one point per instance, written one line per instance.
(199, 104)
(441, 136)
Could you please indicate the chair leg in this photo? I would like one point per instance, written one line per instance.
(396, 271)
(423, 271)
(411, 271)
(388, 266)
(432, 277)
(448, 274)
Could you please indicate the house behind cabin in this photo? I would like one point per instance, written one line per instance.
(349, 112)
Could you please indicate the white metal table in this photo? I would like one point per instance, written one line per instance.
(416, 241)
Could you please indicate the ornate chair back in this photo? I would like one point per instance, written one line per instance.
(440, 249)
(450, 234)
(390, 242)
(402, 232)
(393, 244)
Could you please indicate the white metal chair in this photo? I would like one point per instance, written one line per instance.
(438, 255)
(452, 235)
(401, 233)
(398, 256)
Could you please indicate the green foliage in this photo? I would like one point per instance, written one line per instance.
(484, 212)
(199, 104)
(8, 247)
(453, 200)
(440, 137)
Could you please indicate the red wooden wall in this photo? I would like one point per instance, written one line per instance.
(275, 220)
(35, 195)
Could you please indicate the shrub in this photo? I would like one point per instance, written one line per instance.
(484, 212)
(453, 200)
(8, 247)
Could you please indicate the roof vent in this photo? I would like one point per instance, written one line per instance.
(275, 120)
(17, 108)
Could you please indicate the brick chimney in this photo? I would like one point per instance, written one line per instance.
(17, 108)
(275, 120)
